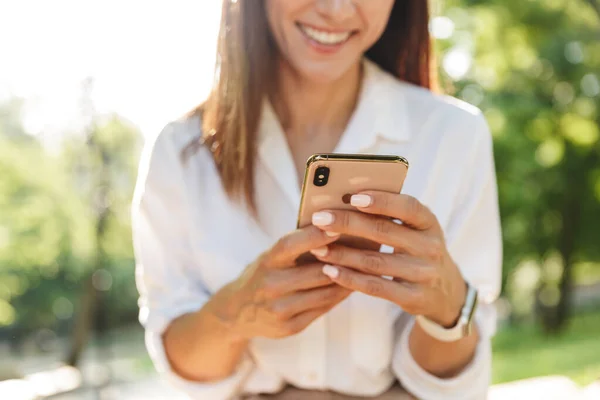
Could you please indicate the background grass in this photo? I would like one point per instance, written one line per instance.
(526, 351)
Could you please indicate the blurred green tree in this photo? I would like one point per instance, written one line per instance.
(535, 74)
(103, 162)
(49, 213)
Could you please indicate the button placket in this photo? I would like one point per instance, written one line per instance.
(313, 354)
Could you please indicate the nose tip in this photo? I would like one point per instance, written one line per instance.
(338, 9)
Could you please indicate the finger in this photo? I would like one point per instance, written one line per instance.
(290, 280)
(375, 286)
(293, 245)
(299, 322)
(401, 266)
(375, 228)
(403, 207)
(289, 306)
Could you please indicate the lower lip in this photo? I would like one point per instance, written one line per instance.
(324, 48)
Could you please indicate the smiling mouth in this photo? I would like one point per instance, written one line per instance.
(325, 38)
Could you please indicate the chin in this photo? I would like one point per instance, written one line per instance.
(324, 73)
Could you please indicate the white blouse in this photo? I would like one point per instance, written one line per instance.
(190, 240)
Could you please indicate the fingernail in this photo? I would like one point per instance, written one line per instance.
(320, 251)
(322, 218)
(360, 200)
(331, 271)
(332, 234)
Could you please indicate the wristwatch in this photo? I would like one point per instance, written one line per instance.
(463, 326)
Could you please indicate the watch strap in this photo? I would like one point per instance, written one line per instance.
(462, 327)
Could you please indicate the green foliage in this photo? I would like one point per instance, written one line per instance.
(48, 220)
(538, 64)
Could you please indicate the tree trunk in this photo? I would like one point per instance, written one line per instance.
(92, 314)
(556, 317)
(83, 323)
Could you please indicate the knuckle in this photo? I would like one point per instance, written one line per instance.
(427, 275)
(381, 227)
(269, 289)
(291, 327)
(418, 272)
(435, 249)
(313, 234)
(373, 262)
(328, 295)
(381, 202)
(334, 254)
(283, 245)
(346, 278)
(316, 274)
(416, 300)
(343, 294)
(413, 206)
(374, 288)
(344, 218)
(435, 280)
(278, 311)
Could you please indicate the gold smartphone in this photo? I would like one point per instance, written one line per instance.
(331, 179)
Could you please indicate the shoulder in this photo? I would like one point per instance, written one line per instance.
(433, 114)
(175, 136)
(448, 119)
(162, 155)
(442, 112)
(436, 114)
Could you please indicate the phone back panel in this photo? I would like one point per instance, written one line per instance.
(348, 175)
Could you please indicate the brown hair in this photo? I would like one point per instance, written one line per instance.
(246, 62)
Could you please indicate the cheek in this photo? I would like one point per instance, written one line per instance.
(275, 10)
(281, 22)
(376, 19)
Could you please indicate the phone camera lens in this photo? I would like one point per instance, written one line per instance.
(321, 176)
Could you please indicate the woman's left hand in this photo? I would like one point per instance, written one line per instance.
(426, 281)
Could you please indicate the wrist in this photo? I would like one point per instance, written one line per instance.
(449, 315)
(224, 309)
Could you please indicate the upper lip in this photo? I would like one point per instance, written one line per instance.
(328, 30)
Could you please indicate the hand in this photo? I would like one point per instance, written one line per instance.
(274, 297)
(426, 281)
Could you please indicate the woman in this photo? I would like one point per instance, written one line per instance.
(226, 309)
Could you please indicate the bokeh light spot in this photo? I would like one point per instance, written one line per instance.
(62, 308)
(102, 280)
(580, 131)
(550, 152)
(457, 63)
(574, 53)
(441, 27)
(7, 313)
(496, 120)
(472, 94)
(564, 93)
(590, 85)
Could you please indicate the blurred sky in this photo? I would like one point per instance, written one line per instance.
(151, 60)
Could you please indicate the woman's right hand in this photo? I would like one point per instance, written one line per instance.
(274, 297)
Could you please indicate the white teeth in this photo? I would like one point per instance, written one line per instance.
(327, 38)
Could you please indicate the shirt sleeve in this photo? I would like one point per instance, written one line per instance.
(474, 240)
(164, 260)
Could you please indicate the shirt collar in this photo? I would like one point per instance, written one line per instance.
(380, 113)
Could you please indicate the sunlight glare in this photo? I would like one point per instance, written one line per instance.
(151, 61)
